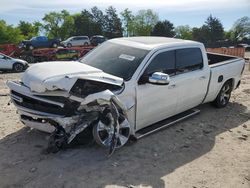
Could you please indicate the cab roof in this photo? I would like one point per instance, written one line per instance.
(152, 42)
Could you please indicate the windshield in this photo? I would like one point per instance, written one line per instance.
(69, 39)
(115, 59)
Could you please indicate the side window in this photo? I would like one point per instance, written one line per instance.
(188, 59)
(163, 62)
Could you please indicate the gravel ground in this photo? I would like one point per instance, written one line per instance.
(211, 150)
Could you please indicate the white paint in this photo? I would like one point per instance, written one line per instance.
(6, 62)
(147, 103)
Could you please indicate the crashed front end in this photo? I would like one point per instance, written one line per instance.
(66, 101)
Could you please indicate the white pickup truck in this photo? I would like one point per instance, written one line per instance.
(125, 87)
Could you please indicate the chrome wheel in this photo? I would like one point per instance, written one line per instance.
(18, 67)
(54, 45)
(31, 47)
(103, 131)
(225, 94)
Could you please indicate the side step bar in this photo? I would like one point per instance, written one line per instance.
(165, 123)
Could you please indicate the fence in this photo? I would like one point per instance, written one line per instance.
(239, 52)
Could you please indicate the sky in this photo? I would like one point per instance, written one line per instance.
(179, 12)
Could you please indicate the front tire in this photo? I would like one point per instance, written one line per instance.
(18, 67)
(54, 45)
(224, 95)
(103, 132)
(31, 47)
(69, 45)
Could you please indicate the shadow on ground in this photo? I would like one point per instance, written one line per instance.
(146, 161)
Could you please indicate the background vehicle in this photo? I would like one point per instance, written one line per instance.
(8, 63)
(39, 42)
(76, 41)
(123, 88)
(66, 54)
(97, 39)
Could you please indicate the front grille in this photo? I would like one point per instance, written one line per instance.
(34, 104)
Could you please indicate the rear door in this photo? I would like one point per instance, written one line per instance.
(192, 78)
(74, 41)
(156, 102)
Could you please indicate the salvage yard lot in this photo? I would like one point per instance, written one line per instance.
(211, 149)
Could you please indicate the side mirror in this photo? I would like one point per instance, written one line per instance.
(159, 78)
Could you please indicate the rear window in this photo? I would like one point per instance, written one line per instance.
(188, 59)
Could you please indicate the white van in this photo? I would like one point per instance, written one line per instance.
(76, 41)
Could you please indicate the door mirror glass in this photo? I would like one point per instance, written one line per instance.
(159, 78)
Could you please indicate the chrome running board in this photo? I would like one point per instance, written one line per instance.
(165, 123)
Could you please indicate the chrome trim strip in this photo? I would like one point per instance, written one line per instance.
(25, 91)
(46, 100)
(16, 98)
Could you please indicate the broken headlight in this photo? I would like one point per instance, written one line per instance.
(83, 88)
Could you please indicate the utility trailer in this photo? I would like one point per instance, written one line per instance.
(42, 54)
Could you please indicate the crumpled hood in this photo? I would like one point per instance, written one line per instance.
(63, 75)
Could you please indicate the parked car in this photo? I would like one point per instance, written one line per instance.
(39, 42)
(97, 39)
(125, 87)
(66, 54)
(11, 64)
(76, 41)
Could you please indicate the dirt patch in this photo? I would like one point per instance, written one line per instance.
(208, 150)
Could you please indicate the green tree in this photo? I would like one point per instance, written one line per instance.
(28, 30)
(58, 24)
(112, 23)
(9, 34)
(128, 22)
(144, 22)
(210, 32)
(98, 18)
(200, 34)
(163, 28)
(241, 29)
(84, 24)
(183, 32)
(214, 29)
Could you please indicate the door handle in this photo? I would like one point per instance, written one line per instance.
(202, 78)
(172, 86)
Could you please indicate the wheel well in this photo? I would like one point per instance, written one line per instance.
(16, 64)
(231, 81)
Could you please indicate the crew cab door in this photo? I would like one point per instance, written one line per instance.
(156, 102)
(192, 76)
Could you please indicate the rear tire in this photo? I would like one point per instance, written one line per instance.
(86, 44)
(54, 45)
(18, 67)
(31, 47)
(224, 95)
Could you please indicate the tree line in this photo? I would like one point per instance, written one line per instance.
(112, 24)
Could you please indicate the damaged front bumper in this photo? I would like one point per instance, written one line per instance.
(65, 115)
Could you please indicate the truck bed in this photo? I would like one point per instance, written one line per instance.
(223, 68)
(214, 58)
